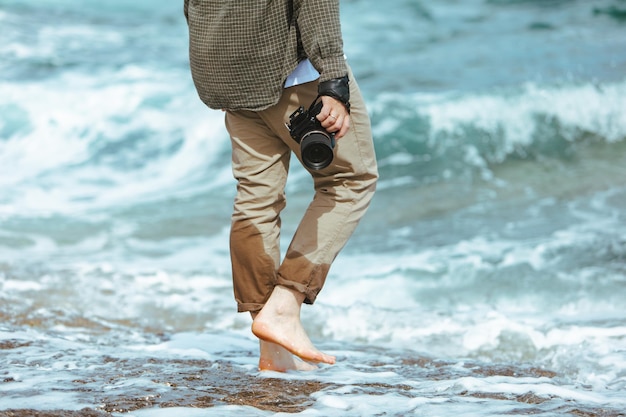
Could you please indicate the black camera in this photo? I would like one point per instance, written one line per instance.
(316, 144)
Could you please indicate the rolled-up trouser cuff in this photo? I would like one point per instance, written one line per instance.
(249, 307)
(310, 294)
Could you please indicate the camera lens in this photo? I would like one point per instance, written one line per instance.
(317, 150)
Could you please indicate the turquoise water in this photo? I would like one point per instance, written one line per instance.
(487, 278)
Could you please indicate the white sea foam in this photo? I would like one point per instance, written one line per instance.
(224, 411)
(66, 127)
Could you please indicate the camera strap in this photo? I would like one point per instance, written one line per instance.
(316, 105)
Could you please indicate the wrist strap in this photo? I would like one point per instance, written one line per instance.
(338, 89)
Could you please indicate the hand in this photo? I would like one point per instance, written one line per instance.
(334, 117)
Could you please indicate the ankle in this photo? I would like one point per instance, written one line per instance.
(288, 295)
(284, 302)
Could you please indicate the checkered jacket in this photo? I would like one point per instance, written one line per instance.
(241, 51)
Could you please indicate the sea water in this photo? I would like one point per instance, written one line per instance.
(487, 279)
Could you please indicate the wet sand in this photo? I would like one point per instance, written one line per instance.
(187, 383)
(126, 385)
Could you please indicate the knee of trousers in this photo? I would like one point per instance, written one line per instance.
(354, 188)
(257, 203)
(361, 193)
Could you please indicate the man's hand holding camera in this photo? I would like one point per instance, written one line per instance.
(334, 116)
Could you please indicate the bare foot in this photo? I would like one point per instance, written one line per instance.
(279, 323)
(277, 358)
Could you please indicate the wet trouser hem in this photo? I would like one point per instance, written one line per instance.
(310, 295)
(249, 307)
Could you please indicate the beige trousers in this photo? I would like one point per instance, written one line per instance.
(261, 149)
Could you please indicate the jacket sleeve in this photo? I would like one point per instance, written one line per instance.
(320, 30)
(186, 10)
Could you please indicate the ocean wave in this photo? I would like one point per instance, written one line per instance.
(452, 135)
(98, 143)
